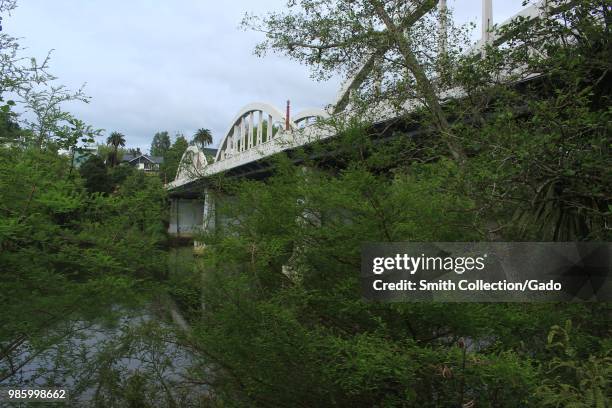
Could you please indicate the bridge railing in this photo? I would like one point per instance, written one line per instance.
(260, 129)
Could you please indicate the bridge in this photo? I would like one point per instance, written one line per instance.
(260, 130)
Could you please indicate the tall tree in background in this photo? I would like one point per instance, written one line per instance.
(202, 138)
(95, 176)
(115, 139)
(161, 143)
(134, 151)
(172, 158)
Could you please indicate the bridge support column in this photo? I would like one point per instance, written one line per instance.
(185, 216)
(309, 218)
(208, 214)
(235, 138)
(208, 220)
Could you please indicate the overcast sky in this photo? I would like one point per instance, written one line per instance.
(173, 65)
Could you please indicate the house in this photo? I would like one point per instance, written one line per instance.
(143, 162)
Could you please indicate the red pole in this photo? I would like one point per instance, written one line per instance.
(287, 115)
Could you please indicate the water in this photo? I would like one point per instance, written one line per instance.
(137, 354)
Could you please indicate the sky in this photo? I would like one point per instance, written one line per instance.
(152, 65)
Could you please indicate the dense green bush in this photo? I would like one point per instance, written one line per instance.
(284, 323)
(68, 254)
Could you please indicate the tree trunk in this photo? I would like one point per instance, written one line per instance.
(424, 86)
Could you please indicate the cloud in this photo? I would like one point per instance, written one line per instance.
(175, 66)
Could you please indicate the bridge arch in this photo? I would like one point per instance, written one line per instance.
(306, 115)
(247, 128)
(192, 163)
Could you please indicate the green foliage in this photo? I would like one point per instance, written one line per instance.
(95, 175)
(283, 321)
(10, 131)
(98, 178)
(134, 151)
(115, 140)
(540, 151)
(67, 254)
(75, 247)
(572, 380)
(105, 152)
(119, 174)
(172, 159)
(160, 144)
(202, 138)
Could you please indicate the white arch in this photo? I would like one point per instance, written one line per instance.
(192, 163)
(308, 114)
(239, 135)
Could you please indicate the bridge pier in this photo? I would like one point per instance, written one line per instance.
(209, 216)
(186, 216)
(189, 217)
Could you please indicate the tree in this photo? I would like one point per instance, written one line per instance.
(173, 157)
(93, 171)
(202, 138)
(540, 154)
(540, 149)
(353, 352)
(29, 83)
(160, 144)
(134, 151)
(400, 49)
(105, 151)
(73, 132)
(115, 140)
(10, 131)
(46, 105)
(402, 63)
(68, 254)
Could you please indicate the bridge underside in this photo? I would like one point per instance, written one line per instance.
(325, 154)
(185, 215)
(193, 204)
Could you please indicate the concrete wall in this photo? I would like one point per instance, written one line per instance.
(186, 216)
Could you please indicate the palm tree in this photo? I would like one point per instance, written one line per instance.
(202, 138)
(115, 139)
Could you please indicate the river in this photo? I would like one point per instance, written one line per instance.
(137, 354)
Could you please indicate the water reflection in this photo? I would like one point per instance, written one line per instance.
(135, 357)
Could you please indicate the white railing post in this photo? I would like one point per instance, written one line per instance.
(443, 27)
(250, 137)
(235, 137)
(242, 132)
(487, 21)
(259, 128)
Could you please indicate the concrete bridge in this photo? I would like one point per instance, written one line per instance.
(260, 130)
